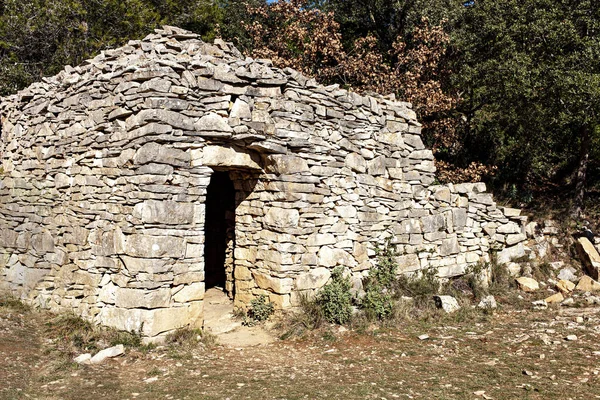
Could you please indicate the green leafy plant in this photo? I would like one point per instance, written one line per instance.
(260, 310)
(335, 298)
(379, 286)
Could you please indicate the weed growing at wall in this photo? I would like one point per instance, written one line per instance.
(260, 310)
(335, 298)
(379, 286)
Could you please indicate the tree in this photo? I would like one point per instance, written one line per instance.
(529, 72)
(40, 37)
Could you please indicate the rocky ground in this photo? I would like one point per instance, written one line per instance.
(515, 353)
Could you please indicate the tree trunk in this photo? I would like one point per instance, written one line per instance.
(584, 155)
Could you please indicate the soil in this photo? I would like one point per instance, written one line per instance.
(512, 354)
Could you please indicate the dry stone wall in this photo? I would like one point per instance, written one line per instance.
(105, 169)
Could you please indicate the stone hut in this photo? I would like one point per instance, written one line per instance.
(136, 181)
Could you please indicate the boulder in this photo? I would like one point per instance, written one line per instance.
(589, 257)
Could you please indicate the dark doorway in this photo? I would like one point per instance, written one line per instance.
(219, 231)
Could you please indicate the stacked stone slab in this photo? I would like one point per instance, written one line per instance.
(105, 169)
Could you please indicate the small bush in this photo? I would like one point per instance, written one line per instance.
(379, 286)
(260, 310)
(420, 287)
(335, 299)
(309, 317)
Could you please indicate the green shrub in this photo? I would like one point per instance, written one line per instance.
(378, 302)
(335, 299)
(260, 309)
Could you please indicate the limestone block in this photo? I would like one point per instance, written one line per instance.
(246, 254)
(330, 257)
(447, 303)
(356, 162)
(147, 246)
(273, 284)
(589, 257)
(511, 253)
(241, 110)
(140, 298)
(213, 122)
(442, 194)
(511, 212)
(408, 263)
(149, 265)
(164, 212)
(194, 250)
(587, 284)
(148, 322)
(220, 156)
(449, 246)
(348, 211)
(510, 227)
(242, 273)
(515, 238)
(107, 293)
(282, 164)
(433, 223)
(42, 242)
(320, 239)
(376, 166)
(86, 278)
(528, 284)
(314, 279)
(281, 218)
(194, 291)
(452, 270)
(162, 154)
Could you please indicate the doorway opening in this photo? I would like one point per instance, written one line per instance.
(219, 233)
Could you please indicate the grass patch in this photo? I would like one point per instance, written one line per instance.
(190, 338)
(14, 304)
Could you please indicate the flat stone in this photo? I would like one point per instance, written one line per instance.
(83, 359)
(111, 352)
(147, 246)
(555, 298)
(213, 122)
(587, 284)
(162, 154)
(528, 284)
(220, 156)
(589, 257)
(565, 286)
(314, 279)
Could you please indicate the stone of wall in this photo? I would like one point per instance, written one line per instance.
(105, 169)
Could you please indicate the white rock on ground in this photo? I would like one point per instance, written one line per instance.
(488, 302)
(83, 358)
(111, 352)
(446, 303)
(528, 284)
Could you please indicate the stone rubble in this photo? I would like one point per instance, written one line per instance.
(105, 170)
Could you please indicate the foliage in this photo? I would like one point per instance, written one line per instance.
(377, 302)
(39, 38)
(529, 72)
(74, 335)
(335, 298)
(260, 309)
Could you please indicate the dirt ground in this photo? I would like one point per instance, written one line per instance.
(512, 354)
